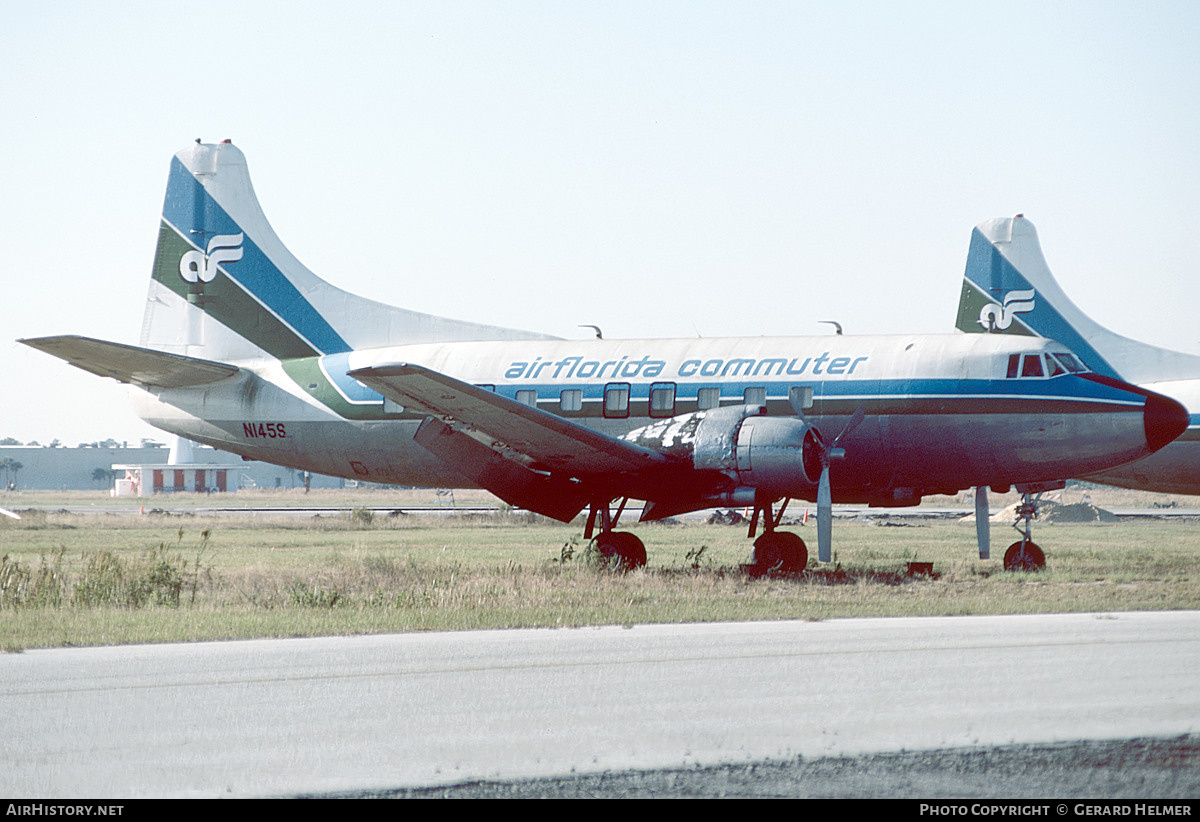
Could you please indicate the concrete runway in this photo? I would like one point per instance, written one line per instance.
(283, 717)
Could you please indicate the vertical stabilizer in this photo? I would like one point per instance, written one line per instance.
(1008, 288)
(224, 286)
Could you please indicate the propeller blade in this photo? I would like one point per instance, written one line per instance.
(983, 525)
(825, 492)
(824, 516)
(800, 398)
(854, 421)
(8, 513)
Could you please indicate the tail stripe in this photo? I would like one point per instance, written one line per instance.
(997, 282)
(225, 300)
(198, 219)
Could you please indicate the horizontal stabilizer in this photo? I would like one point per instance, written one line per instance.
(130, 364)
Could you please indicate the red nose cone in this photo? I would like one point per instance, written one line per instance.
(1165, 420)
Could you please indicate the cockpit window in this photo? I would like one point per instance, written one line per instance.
(1043, 365)
(1070, 362)
(1031, 366)
(1014, 363)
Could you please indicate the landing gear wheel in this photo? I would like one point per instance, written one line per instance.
(621, 550)
(779, 552)
(1024, 556)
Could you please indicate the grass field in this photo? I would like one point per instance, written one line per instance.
(123, 577)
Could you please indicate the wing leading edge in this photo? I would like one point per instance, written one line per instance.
(525, 456)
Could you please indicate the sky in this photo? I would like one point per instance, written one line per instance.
(656, 168)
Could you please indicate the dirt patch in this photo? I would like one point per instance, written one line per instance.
(1055, 512)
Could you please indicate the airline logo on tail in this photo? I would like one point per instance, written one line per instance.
(195, 266)
(995, 317)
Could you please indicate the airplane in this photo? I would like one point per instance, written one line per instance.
(244, 349)
(1008, 289)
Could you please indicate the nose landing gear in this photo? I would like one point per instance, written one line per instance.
(1025, 555)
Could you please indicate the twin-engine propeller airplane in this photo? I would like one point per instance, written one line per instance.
(1008, 289)
(245, 349)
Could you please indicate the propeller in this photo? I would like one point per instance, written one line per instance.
(825, 493)
(800, 399)
(983, 534)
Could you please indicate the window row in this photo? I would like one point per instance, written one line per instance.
(662, 399)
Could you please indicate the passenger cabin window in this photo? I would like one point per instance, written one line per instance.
(616, 400)
(800, 396)
(1014, 366)
(662, 399)
(707, 398)
(571, 399)
(754, 396)
(527, 397)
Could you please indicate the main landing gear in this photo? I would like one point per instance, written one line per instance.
(775, 552)
(1025, 555)
(619, 549)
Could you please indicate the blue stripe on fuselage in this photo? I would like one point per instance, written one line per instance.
(335, 367)
(1065, 387)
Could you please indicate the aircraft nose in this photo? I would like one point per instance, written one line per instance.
(1164, 419)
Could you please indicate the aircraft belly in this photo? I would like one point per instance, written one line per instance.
(1173, 470)
(257, 420)
(947, 452)
(383, 453)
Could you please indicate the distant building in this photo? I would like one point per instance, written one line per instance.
(147, 479)
(84, 468)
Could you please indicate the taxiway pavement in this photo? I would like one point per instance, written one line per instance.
(284, 717)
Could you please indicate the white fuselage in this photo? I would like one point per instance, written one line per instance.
(941, 412)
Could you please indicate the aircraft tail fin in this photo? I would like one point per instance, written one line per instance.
(1008, 289)
(224, 286)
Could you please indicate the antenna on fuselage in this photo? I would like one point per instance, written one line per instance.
(596, 328)
(837, 325)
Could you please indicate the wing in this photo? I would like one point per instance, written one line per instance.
(549, 442)
(523, 455)
(130, 364)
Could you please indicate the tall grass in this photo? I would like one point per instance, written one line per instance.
(101, 578)
(75, 580)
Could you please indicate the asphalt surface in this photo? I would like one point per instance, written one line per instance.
(1140, 769)
(757, 709)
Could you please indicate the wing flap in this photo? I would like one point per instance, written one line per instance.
(551, 443)
(131, 364)
(514, 483)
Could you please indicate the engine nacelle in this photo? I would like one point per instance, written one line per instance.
(780, 456)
